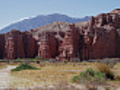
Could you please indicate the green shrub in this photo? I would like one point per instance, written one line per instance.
(89, 76)
(76, 79)
(25, 67)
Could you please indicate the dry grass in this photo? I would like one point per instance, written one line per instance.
(50, 74)
(112, 71)
(104, 68)
(3, 65)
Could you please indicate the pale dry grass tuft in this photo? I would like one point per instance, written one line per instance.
(104, 68)
(3, 65)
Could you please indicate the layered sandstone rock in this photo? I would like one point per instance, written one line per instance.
(2, 44)
(30, 45)
(70, 46)
(47, 45)
(16, 44)
(14, 47)
(104, 34)
(98, 38)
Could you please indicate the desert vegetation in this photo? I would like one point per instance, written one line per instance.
(50, 73)
(24, 66)
(3, 65)
(89, 76)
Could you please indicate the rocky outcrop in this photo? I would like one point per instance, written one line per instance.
(18, 45)
(2, 44)
(70, 46)
(98, 38)
(30, 45)
(14, 47)
(105, 38)
(47, 45)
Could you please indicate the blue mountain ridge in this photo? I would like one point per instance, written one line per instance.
(42, 20)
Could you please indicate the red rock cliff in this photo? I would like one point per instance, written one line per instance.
(98, 38)
(14, 47)
(17, 44)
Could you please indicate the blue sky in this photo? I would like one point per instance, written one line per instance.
(15, 10)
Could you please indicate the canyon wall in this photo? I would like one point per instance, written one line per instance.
(98, 38)
(16, 44)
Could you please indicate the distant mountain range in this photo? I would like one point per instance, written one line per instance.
(42, 20)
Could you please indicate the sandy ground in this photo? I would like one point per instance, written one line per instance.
(5, 75)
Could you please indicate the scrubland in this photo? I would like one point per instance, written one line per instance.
(52, 73)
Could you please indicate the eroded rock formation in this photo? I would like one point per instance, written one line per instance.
(30, 45)
(70, 45)
(98, 38)
(2, 44)
(16, 44)
(47, 45)
(14, 47)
